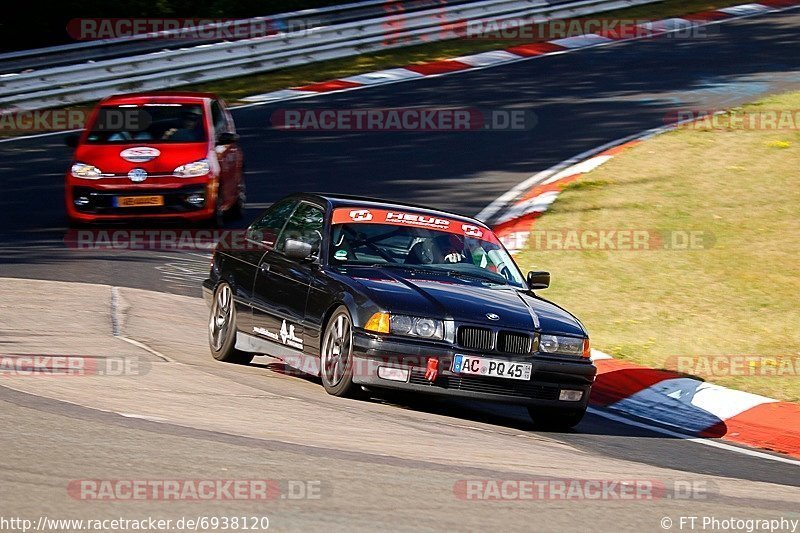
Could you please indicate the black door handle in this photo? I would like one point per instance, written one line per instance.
(264, 267)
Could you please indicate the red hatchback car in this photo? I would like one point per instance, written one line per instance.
(156, 156)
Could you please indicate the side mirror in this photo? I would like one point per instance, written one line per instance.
(71, 139)
(227, 138)
(297, 250)
(538, 279)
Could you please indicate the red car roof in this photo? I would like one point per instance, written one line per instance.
(171, 97)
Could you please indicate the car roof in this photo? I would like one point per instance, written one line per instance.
(339, 200)
(174, 97)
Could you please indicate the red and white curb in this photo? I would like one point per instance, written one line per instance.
(521, 52)
(696, 407)
(512, 214)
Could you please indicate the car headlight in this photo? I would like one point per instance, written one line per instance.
(194, 169)
(88, 172)
(558, 344)
(410, 326)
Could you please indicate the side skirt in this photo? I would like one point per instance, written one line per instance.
(308, 364)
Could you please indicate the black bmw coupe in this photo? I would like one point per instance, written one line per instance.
(368, 294)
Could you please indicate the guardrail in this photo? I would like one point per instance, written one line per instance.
(109, 48)
(160, 70)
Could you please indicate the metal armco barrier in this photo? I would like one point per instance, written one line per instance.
(91, 81)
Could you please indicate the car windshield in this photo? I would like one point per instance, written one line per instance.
(454, 249)
(150, 123)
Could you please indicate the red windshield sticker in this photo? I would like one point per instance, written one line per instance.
(349, 215)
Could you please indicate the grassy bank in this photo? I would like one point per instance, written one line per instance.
(734, 293)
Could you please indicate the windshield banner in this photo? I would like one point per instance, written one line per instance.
(360, 215)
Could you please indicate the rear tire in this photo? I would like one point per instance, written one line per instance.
(555, 419)
(222, 328)
(336, 356)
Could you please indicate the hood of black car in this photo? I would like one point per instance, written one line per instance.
(465, 300)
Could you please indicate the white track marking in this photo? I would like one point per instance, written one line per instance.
(582, 41)
(274, 96)
(687, 404)
(487, 58)
(383, 76)
(116, 328)
(746, 9)
(698, 440)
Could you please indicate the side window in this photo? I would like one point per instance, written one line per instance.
(267, 229)
(305, 225)
(218, 118)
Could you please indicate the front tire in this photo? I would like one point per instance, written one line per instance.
(336, 356)
(222, 328)
(555, 419)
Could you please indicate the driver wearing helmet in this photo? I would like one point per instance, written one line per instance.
(441, 249)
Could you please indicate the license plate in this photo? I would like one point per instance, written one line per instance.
(482, 366)
(138, 201)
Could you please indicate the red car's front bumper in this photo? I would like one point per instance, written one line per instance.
(97, 200)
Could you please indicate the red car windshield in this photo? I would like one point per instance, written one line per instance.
(149, 123)
(417, 241)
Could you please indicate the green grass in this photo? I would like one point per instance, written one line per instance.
(233, 89)
(738, 294)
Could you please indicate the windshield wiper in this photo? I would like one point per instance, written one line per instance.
(497, 278)
(431, 269)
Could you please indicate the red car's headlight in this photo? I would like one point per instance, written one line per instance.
(87, 172)
(194, 169)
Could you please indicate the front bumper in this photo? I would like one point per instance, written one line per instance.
(549, 375)
(98, 201)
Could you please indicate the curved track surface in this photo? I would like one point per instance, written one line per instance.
(582, 100)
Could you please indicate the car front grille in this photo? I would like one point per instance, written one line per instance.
(506, 387)
(475, 338)
(516, 343)
(483, 340)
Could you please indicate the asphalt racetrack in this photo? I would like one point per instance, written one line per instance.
(389, 462)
